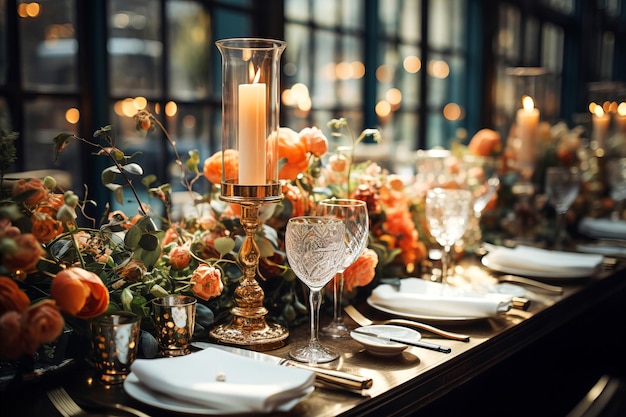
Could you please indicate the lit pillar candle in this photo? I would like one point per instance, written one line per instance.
(527, 125)
(252, 117)
(620, 118)
(601, 123)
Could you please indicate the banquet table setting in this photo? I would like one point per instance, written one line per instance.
(395, 378)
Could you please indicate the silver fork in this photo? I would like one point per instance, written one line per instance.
(66, 405)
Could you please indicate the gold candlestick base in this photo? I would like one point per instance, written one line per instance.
(248, 327)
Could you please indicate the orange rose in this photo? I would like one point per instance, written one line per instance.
(290, 171)
(80, 293)
(207, 282)
(314, 141)
(362, 271)
(290, 147)
(485, 142)
(26, 256)
(12, 298)
(133, 271)
(43, 324)
(179, 257)
(10, 329)
(44, 227)
(212, 169)
(32, 190)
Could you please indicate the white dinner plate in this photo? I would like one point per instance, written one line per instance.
(141, 393)
(450, 319)
(552, 274)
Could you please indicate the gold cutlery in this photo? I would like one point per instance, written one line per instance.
(361, 320)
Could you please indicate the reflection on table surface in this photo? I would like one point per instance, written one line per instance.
(417, 378)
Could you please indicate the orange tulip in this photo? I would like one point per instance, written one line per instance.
(80, 293)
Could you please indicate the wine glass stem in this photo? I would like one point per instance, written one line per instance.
(560, 227)
(314, 301)
(338, 298)
(444, 264)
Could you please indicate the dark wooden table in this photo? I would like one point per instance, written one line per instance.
(538, 362)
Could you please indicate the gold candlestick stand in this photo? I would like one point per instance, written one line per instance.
(248, 326)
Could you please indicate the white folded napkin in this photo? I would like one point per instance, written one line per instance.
(539, 260)
(225, 381)
(426, 298)
(602, 228)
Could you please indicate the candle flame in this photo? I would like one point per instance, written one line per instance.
(598, 111)
(253, 75)
(528, 103)
(621, 109)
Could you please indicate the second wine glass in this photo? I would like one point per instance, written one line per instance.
(354, 215)
(447, 214)
(315, 247)
(562, 186)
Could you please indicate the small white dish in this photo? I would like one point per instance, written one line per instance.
(381, 347)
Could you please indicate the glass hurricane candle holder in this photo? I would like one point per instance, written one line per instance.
(250, 115)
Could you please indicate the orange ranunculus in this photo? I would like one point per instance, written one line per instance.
(485, 142)
(212, 169)
(362, 271)
(207, 282)
(43, 324)
(180, 257)
(44, 227)
(12, 298)
(290, 147)
(32, 190)
(314, 141)
(26, 256)
(80, 293)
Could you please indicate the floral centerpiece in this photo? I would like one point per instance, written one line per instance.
(61, 267)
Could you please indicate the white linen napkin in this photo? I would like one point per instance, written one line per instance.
(248, 385)
(602, 228)
(426, 298)
(539, 260)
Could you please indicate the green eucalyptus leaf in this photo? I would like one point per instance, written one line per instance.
(266, 249)
(148, 242)
(133, 236)
(148, 179)
(224, 245)
(157, 291)
(108, 175)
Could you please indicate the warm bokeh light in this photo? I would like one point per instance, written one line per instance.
(621, 109)
(358, 70)
(438, 69)
(412, 64)
(171, 108)
(452, 111)
(189, 121)
(592, 107)
(128, 108)
(394, 97)
(287, 99)
(140, 103)
(28, 9)
(613, 107)
(329, 72)
(344, 70)
(383, 109)
(384, 73)
(72, 115)
(606, 106)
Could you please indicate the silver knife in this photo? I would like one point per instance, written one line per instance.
(345, 380)
(419, 343)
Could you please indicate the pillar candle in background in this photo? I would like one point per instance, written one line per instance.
(601, 122)
(252, 119)
(527, 127)
(620, 118)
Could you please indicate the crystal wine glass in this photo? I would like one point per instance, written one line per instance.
(355, 217)
(315, 246)
(562, 186)
(447, 214)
